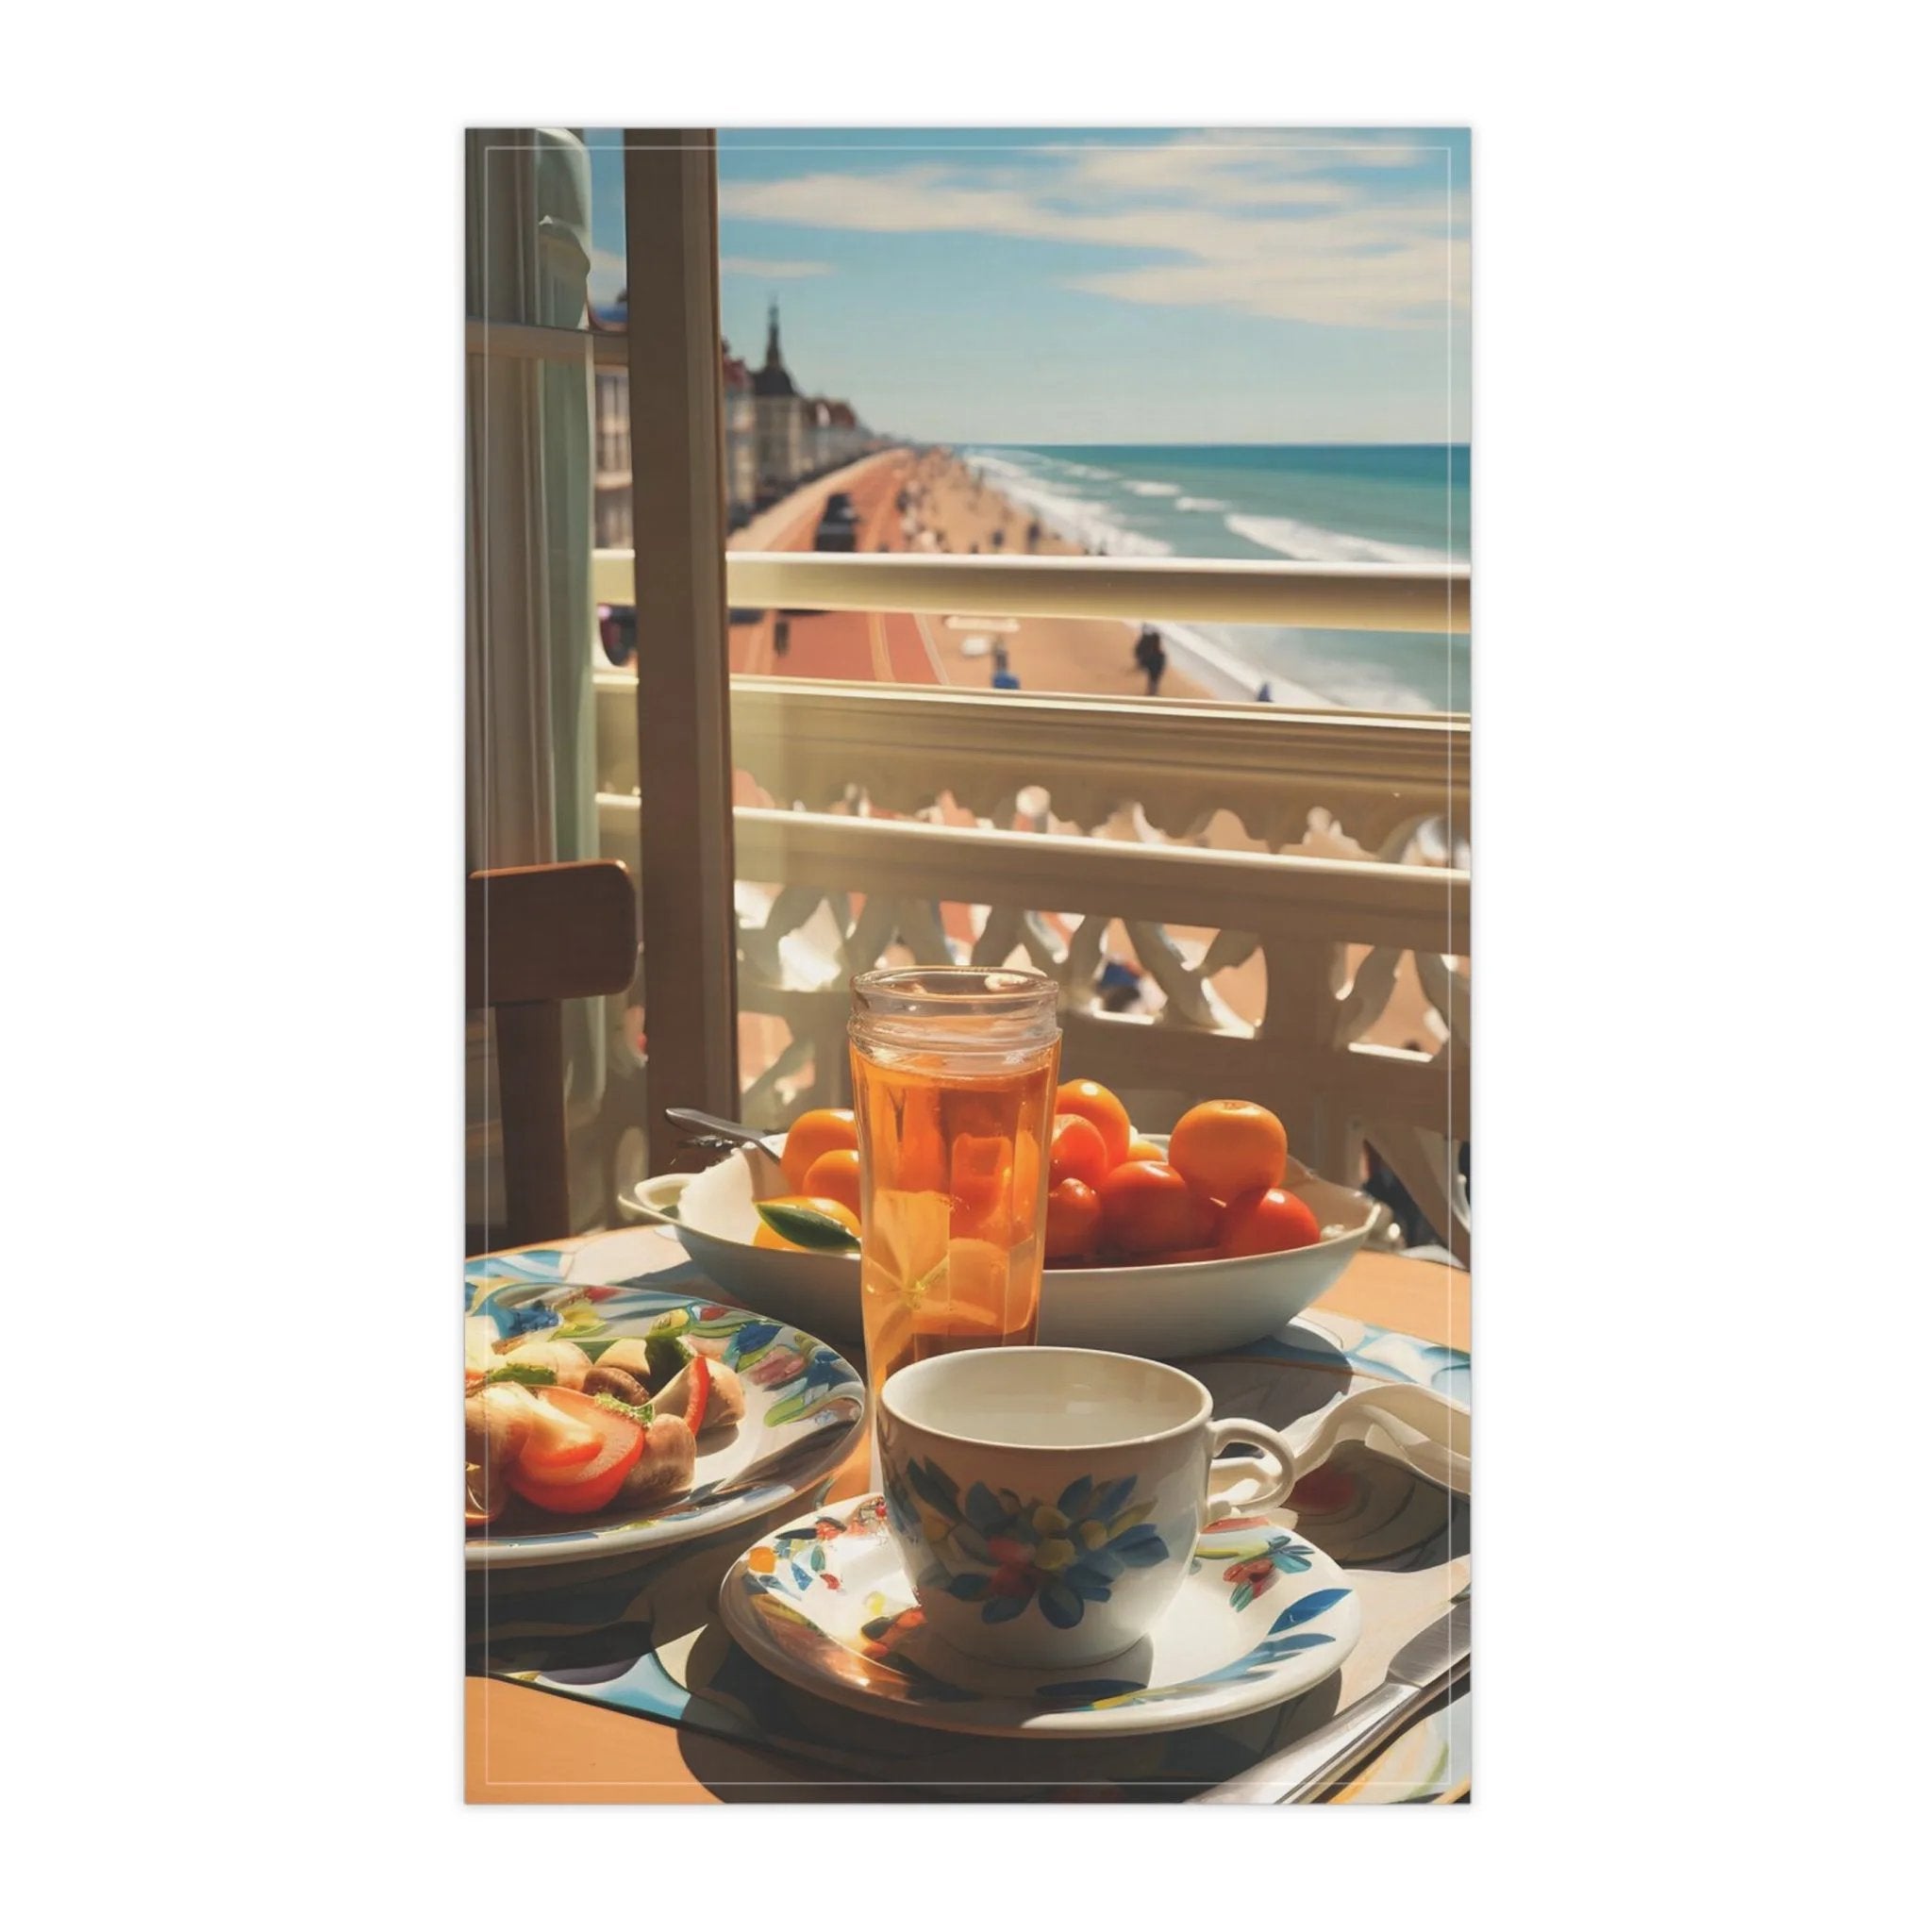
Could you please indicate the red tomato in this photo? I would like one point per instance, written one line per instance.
(1266, 1221)
(590, 1485)
(1078, 1153)
(1208, 1213)
(1146, 1207)
(1073, 1219)
(1092, 1102)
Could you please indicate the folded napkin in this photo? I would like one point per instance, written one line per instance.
(1420, 1427)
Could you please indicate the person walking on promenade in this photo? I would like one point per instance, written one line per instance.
(1002, 679)
(1151, 657)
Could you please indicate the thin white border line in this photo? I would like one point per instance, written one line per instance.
(1067, 148)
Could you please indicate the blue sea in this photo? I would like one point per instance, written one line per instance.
(1355, 502)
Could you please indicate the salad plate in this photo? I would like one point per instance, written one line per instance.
(804, 1408)
(825, 1604)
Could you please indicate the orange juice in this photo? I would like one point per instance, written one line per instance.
(953, 1071)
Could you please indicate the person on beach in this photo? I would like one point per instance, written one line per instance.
(781, 636)
(1265, 695)
(1151, 657)
(1033, 535)
(1119, 985)
(1002, 679)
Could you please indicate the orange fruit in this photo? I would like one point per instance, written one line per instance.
(1073, 1219)
(812, 1134)
(1139, 1149)
(824, 1204)
(1229, 1147)
(1147, 1206)
(834, 1176)
(1092, 1102)
(1266, 1221)
(1078, 1153)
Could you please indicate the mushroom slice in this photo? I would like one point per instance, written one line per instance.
(605, 1380)
(666, 1467)
(628, 1355)
(725, 1406)
(497, 1424)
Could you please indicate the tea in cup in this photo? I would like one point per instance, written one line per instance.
(1046, 1501)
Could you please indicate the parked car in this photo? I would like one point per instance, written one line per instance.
(837, 523)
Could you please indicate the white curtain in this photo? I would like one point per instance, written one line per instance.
(529, 752)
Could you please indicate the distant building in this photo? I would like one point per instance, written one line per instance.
(781, 426)
(836, 436)
(740, 436)
(611, 485)
(773, 437)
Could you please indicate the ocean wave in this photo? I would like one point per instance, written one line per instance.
(1224, 672)
(1141, 489)
(1079, 519)
(1239, 662)
(1202, 503)
(1311, 544)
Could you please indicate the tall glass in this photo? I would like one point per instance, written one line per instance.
(953, 1076)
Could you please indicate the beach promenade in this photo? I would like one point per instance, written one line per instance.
(948, 511)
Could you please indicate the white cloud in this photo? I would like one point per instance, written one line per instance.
(1265, 225)
(771, 270)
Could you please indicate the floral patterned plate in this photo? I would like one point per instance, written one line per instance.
(825, 1604)
(804, 1407)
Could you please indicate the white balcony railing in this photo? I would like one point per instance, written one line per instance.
(1344, 596)
(829, 887)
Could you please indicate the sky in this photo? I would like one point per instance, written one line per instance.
(1083, 286)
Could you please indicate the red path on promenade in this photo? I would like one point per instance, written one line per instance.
(883, 647)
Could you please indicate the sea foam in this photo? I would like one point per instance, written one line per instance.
(1311, 544)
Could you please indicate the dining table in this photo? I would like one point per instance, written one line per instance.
(608, 1686)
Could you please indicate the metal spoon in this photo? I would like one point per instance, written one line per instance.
(710, 1129)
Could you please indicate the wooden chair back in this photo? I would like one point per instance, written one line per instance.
(536, 936)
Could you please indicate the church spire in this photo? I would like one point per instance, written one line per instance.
(774, 360)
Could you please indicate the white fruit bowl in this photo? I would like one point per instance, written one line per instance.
(1167, 1309)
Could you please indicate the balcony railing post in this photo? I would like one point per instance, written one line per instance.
(685, 861)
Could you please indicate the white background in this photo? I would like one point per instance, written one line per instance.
(232, 1067)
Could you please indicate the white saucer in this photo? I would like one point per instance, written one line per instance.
(825, 1604)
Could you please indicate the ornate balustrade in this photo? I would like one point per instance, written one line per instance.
(1276, 974)
(1377, 776)
(826, 894)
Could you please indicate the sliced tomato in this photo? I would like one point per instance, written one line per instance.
(616, 1443)
(558, 1440)
(700, 1393)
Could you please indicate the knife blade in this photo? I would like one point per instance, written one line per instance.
(1427, 1665)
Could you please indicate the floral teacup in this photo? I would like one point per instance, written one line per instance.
(1046, 1500)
